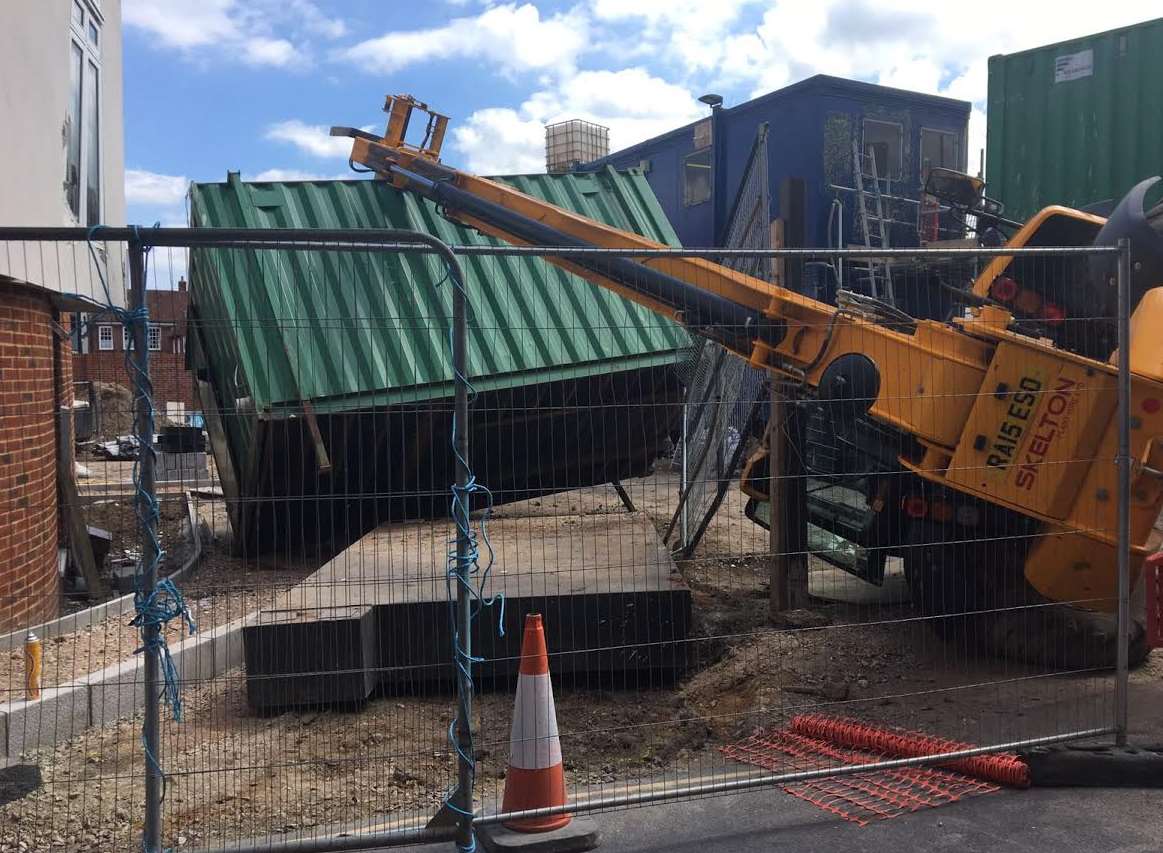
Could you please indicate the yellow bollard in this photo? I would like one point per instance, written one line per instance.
(33, 657)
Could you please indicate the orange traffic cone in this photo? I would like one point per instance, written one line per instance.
(536, 778)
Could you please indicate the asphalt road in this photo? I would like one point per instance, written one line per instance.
(1065, 820)
(1043, 819)
(1077, 820)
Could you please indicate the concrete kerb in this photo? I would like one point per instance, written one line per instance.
(109, 694)
(116, 691)
(59, 714)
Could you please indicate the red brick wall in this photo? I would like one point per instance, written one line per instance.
(29, 584)
(171, 381)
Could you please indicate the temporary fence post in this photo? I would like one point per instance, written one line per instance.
(464, 687)
(776, 531)
(684, 533)
(1124, 486)
(144, 500)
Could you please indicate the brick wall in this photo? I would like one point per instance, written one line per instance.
(171, 381)
(29, 583)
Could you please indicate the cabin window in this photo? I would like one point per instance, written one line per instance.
(884, 141)
(940, 149)
(696, 177)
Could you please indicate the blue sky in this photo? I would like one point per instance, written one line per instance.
(252, 85)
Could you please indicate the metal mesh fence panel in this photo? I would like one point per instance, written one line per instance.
(959, 534)
(719, 421)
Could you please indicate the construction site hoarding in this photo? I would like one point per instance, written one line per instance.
(1075, 123)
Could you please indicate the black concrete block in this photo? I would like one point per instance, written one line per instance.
(332, 661)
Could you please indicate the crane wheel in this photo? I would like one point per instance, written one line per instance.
(977, 595)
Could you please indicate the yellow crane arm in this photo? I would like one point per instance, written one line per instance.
(995, 415)
(772, 327)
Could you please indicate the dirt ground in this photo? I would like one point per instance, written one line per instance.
(235, 775)
(118, 516)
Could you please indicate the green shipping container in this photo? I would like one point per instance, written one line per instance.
(1077, 122)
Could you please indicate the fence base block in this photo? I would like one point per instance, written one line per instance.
(578, 835)
(1096, 766)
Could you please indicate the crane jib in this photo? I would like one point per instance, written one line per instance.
(707, 313)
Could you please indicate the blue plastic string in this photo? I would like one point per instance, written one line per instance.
(467, 572)
(158, 607)
(152, 610)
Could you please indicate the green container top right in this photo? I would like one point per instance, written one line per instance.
(1078, 122)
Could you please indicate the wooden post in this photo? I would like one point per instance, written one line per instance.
(795, 506)
(69, 500)
(787, 487)
(787, 491)
(778, 268)
(777, 540)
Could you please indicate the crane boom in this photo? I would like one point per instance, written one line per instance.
(989, 412)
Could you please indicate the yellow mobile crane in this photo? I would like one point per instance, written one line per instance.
(1007, 430)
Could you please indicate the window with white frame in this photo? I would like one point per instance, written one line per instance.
(105, 338)
(126, 339)
(155, 339)
(83, 120)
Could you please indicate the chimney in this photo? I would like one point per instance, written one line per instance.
(574, 142)
(182, 284)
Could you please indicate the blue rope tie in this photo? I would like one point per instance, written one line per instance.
(466, 572)
(155, 609)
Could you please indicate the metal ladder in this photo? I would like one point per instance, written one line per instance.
(871, 221)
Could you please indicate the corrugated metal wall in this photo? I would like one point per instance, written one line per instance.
(1076, 122)
(363, 336)
(352, 329)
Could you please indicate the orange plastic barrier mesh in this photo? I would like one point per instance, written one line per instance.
(808, 744)
(1002, 768)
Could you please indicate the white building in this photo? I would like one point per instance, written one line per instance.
(61, 164)
(62, 151)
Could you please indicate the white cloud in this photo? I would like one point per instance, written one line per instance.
(260, 50)
(155, 197)
(150, 188)
(182, 24)
(314, 20)
(513, 38)
(634, 104)
(917, 73)
(907, 43)
(272, 33)
(691, 30)
(313, 139)
(499, 141)
(299, 175)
